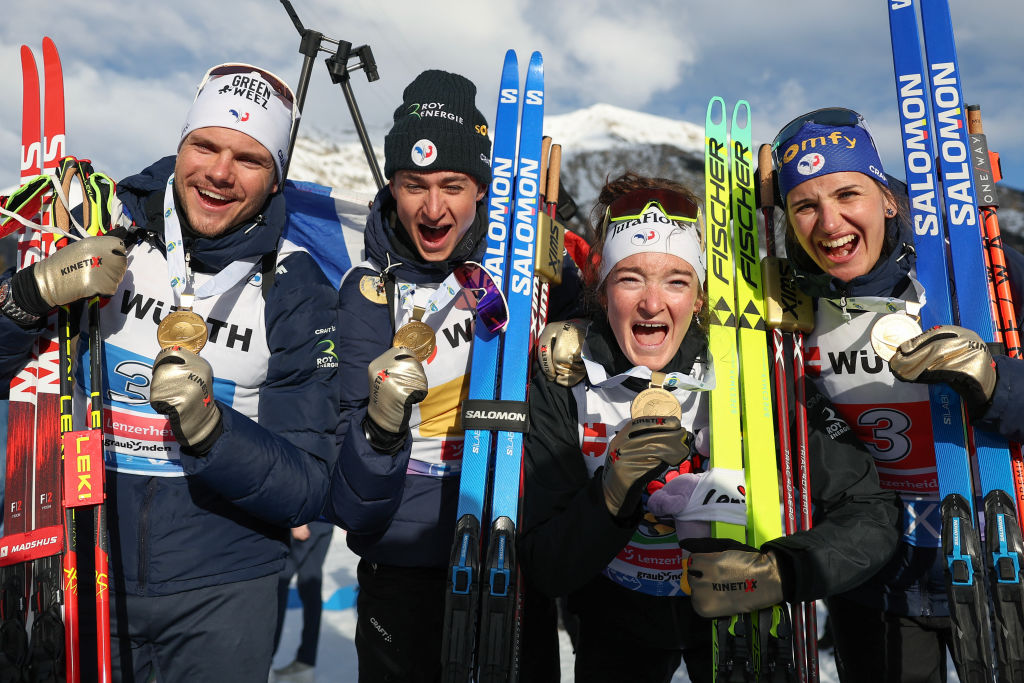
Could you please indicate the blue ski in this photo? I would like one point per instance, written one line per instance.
(937, 72)
(462, 599)
(487, 592)
(498, 649)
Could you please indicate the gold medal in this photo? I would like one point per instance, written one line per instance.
(183, 328)
(418, 337)
(890, 331)
(372, 287)
(655, 402)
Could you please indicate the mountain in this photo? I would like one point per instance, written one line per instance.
(598, 142)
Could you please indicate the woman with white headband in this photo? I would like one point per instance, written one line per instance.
(616, 471)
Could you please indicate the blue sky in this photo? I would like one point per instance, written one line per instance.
(131, 67)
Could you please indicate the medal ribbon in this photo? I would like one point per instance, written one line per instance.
(882, 304)
(598, 377)
(441, 297)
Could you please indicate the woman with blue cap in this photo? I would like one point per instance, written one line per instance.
(851, 246)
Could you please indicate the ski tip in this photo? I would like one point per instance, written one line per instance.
(716, 111)
(510, 58)
(50, 53)
(537, 61)
(741, 116)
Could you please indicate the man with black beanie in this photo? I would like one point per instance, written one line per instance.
(405, 372)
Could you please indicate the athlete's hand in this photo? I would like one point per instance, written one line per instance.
(641, 451)
(725, 577)
(560, 351)
(950, 354)
(182, 389)
(397, 382)
(91, 266)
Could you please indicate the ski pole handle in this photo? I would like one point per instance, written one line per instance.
(554, 172)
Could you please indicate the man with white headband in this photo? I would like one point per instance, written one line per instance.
(220, 354)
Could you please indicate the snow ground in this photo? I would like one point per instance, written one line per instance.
(337, 652)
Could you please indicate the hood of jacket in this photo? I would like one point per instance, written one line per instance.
(387, 243)
(143, 196)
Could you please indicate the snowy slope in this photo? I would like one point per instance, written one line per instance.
(598, 142)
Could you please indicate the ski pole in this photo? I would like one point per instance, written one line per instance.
(780, 287)
(986, 175)
(310, 44)
(1003, 544)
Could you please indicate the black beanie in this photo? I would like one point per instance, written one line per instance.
(438, 128)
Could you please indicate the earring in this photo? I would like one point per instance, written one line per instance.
(890, 212)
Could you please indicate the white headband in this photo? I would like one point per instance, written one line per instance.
(245, 102)
(653, 233)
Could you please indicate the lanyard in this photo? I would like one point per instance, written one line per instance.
(440, 298)
(882, 304)
(598, 377)
(178, 270)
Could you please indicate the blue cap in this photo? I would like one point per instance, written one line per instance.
(818, 150)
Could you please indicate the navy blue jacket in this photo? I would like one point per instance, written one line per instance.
(228, 519)
(913, 583)
(393, 518)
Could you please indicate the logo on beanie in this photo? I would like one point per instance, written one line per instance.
(424, 153)
(239, 117)
(810, 164)
(644, 237)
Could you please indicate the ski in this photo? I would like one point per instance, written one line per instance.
(757, 646)
(47, 642)
(463, 583)
(771, 628)
(21, 417)
(482, 602)
(933, 75)
(500, 591)
(731, 637)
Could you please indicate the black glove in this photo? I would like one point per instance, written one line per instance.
(950, 354)
(91, 266)
(397, 382)
(642, 450)
(727, 577)
(182, 390)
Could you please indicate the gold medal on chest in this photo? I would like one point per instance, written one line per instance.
(418, 337)
(655, 401)
(183, 328)
(890, 331)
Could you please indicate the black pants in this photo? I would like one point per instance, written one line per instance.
(629, 636)
(306, 563)
(221, 633)
(401, 621)
(871, 645)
